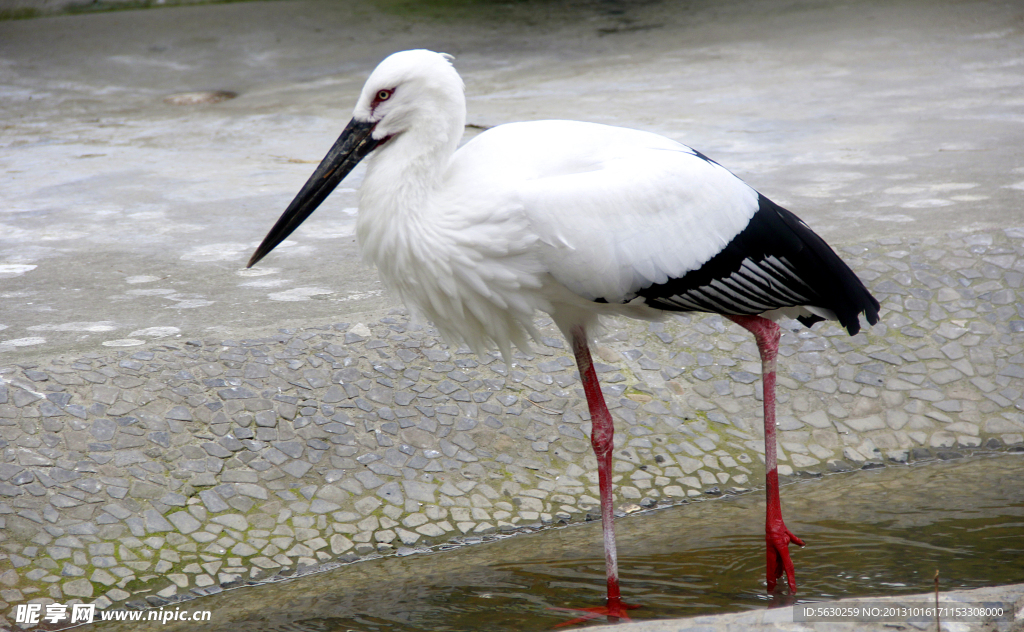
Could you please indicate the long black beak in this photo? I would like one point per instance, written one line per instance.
(352, 146)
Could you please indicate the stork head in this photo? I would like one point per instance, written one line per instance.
(415, 94)
(412, 90)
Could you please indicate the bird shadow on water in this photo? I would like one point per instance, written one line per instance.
(872, 533)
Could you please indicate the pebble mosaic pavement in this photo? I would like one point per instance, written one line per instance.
(144, 477)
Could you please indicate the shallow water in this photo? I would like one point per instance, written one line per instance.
(869, 533)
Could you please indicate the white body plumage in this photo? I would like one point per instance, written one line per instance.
(545, 215)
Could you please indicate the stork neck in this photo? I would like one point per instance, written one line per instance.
(402, 174)
(401, 178)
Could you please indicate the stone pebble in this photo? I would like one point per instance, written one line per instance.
(148, 476)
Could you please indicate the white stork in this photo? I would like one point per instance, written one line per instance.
(577, 220)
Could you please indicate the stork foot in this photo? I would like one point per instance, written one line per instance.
(778, 538)
(615, 609)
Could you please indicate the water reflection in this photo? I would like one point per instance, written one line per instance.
(871, 533)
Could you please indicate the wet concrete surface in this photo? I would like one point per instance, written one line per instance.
(127, 218)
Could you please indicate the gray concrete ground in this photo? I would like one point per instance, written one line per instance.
(156, 394)
(128, 218)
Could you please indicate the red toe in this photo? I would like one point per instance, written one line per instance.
(614, 609)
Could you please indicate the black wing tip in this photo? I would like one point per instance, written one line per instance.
(856, 297)
(865, 304)
(857, 300)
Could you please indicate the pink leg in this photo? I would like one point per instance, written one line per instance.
(777, 535)
(601, 438)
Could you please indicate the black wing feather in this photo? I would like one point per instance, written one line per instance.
(776, 261)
